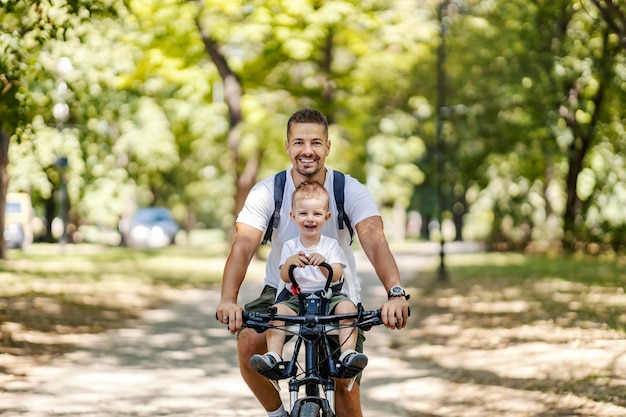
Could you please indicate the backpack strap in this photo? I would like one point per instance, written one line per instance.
(339, 182)
(279, 190)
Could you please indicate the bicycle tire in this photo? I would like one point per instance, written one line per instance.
(309, 410)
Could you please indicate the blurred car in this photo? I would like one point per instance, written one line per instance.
(18, 221)
(151, 227)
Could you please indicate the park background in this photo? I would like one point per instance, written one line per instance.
(503, 120)
(499, 122)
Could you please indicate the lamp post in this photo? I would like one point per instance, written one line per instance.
(61, 113)
(442, 113)
(61, 164)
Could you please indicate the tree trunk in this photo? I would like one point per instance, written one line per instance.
(51, 208)
(4, 184)
(459, 210)
(583, 138)
(615, 18)
(246, 171)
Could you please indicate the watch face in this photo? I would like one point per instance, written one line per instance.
(396, 291)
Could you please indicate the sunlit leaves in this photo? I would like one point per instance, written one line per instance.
(147, 121)
(541, 93)
(392, 172)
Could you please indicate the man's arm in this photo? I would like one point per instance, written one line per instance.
(244, 247)
(372, 237)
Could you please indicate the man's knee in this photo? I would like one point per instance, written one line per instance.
(250, 342)
(345, 307)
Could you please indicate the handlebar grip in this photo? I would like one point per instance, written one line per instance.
(244, 316)
(322, 265)
(291, 277)
(329, 268)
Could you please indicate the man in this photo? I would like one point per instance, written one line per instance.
(308, 146)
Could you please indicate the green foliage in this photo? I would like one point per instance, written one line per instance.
(526, 107)
(392, 170)
(531, 117)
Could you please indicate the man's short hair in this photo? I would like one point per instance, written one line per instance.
(308, 116)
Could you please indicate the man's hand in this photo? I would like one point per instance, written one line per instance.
(230, 314)
(395, 313)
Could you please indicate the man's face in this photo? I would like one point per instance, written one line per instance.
(307, 147)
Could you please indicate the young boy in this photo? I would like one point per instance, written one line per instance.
(310, 211)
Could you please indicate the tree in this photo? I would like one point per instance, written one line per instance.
(186, 170)
(339, 57)
(540, 122)
(233, 91)
(27, 27)
(614, 14)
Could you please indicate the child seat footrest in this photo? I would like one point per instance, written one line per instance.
(276, 372)
(342, 371)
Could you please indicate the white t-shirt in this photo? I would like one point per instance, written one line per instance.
(311, 278)
(259, 207)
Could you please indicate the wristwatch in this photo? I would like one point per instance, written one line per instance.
(397, 291)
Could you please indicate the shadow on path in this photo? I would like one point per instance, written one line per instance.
(179, 361)
(175, 361)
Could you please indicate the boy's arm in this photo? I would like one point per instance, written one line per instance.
(337, 271)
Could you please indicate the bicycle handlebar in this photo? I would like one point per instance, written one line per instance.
(364, 319)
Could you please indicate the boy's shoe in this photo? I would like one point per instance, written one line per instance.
(353, 359)
(264, 362)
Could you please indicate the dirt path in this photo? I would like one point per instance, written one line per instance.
(176, 361)
(179, 361)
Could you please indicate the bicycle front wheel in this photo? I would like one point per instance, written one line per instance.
(309, 410)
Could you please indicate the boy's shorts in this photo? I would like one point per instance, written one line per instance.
(294, 304)
(268, 299)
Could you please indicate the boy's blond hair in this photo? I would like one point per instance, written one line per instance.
(310, 189)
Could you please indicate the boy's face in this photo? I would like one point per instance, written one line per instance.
(310, 214)
(307, 146)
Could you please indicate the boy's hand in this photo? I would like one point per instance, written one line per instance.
(315, 259)
(299, 260)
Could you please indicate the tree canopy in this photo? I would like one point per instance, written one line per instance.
(184, 104)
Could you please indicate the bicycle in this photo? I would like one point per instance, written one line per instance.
(312, 329)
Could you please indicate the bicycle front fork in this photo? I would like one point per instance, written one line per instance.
(327, 404)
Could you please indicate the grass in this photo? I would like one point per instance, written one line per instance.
(53, 291)
(51, 295)
(76, 289)
(498, 302)
(573, 291)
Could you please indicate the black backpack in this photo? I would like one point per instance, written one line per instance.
(339, 181)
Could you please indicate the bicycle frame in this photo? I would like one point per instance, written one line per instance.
(320, 368)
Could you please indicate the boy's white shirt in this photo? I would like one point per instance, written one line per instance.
(311, 278)
(259, 207)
